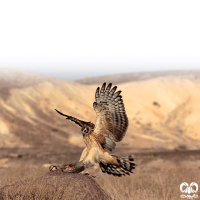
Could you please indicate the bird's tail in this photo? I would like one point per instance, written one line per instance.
(124, 166)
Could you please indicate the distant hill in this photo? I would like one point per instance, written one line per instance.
(163, 111)
(28, 117)
(139, 76)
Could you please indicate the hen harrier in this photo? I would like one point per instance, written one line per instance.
(111, 126)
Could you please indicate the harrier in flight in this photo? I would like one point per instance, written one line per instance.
(111, 126)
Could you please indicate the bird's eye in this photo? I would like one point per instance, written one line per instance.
(85, 130)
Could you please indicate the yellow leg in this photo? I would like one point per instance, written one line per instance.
(83, 157)
(90, 159)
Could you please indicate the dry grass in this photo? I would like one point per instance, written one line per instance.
(152, 183)
(163, 184)
(27, 190)
(21, 172)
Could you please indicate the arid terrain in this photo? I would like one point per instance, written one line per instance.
(163, 133)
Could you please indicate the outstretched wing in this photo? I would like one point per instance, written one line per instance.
(112, 120)
(77, 121)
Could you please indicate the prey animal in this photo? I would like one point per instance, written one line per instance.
(111, 126)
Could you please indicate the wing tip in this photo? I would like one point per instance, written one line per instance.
(108, 87)
(57, 111)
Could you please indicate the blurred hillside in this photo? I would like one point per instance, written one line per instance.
(163, 111)
(140, 76)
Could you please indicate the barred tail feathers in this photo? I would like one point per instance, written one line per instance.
(123, 166)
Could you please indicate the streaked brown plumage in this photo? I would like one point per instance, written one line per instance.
(111, 126)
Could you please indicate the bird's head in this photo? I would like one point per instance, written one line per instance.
(85, 130)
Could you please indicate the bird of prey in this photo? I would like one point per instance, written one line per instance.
(111, 126)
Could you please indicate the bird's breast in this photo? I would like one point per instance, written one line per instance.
(91, 141)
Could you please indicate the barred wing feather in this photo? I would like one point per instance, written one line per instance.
(77, 121)
(110, 112)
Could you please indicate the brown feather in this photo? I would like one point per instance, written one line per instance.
(110, 113)
(77, 121)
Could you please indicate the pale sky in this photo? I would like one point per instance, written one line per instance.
(72, 65)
